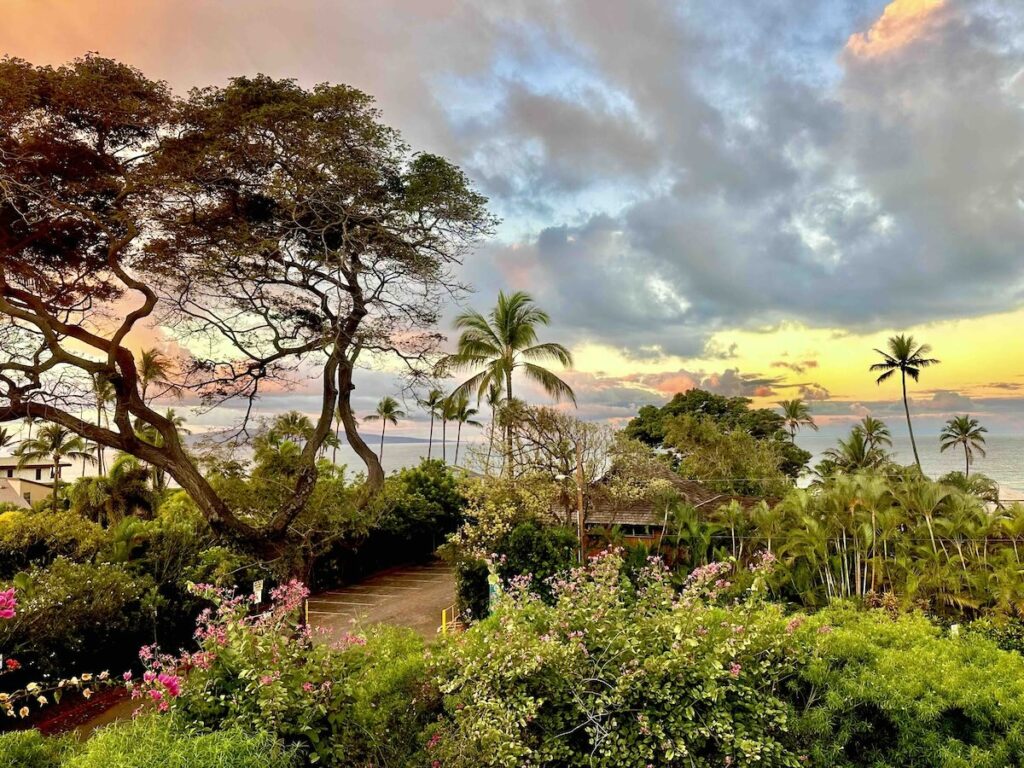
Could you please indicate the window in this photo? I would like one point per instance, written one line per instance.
(28, 496)
(39, 473)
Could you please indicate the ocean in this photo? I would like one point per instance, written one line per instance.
(1004, 461)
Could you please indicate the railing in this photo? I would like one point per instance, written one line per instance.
(450, 621)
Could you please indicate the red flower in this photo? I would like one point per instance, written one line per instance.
(12, 665)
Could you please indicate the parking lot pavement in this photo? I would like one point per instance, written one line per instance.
(409, 596)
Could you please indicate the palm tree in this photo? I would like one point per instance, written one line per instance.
(387, 412)
(907, 357)
(797, 414)
(103, 394)
(461, 413)
(851, 455)
(432, 403)
(125, 491)
(294, 426)
(6, 437)
(56, 443)
(965, 431)
(502, 342)
(875, 433)
(154, 368)
(30, 422)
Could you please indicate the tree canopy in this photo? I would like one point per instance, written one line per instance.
(269, 231)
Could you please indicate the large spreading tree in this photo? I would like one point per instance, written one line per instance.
(272, 232)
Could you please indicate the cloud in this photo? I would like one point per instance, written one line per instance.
(666, 172)
(796, 366)
(902, 22)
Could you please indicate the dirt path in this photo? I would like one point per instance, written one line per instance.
(410, 596)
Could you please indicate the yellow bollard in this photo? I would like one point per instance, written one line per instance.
(444, 622)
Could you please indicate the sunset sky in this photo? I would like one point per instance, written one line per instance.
(744, 196)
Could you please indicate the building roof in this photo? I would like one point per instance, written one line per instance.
(8, 495)
(12, 461)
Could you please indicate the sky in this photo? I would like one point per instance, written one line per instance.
(743, 196)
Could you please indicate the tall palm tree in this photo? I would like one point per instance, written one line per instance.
(432, 403)
(30, 421)
(56, 443)
(907, 357)
(125, 491)
(387, 412)
(965, 431)
(875, 433)
(461, 414)
(154, 368)
(501, 343)
(796, 414)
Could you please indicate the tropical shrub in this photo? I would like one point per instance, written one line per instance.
(30, 749)
(38, 538)
(612, 674)
(891, 692)
(154, 742)
(350, 702)
(76, 616)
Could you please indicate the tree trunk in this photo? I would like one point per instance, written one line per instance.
(383, 426)
(458, 439)
(967, 462)
(430, 441)
(507, 469)
(910, 427)
(444, 439)
(374, 471)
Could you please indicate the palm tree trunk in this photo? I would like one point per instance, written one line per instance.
(967, 462)
(383, 426)
(910, 427)
(490, 441)
(507, 469)
(444, 439)
(458, 439)
(56, 480)
(430, 442)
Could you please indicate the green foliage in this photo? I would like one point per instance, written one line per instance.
(538, 552)
(154, 742)
(728, 460)
(30, 749)
(38, 538)
(900, 692)
(616, 675)
(726, 415)
(77, 616)
(425, 501)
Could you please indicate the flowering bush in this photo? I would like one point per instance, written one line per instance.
(266, 673)
(617, 674)
(37, 539)
(74, 616)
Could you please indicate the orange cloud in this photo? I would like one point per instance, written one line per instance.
(902, 22)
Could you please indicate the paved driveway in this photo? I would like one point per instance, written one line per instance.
(409, 596)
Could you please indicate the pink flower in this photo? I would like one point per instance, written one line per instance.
(172, 683)
(734, 669)
(155, 695)
(8, 604)
(794, 624)
(127, 676)
(307, 687)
